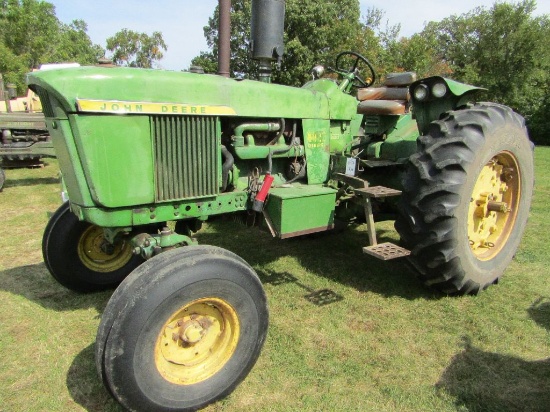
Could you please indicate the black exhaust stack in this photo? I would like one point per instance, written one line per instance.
(266, 32)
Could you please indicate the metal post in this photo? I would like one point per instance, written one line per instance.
(224, 37)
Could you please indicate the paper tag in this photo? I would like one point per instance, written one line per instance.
(351, 163)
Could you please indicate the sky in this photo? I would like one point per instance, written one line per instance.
(181, 21)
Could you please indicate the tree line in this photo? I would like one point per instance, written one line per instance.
(31, 35)
(501, 48)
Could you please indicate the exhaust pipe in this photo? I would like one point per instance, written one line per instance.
(266, 32)
(224, 37)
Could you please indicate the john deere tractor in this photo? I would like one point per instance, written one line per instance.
(148, 155)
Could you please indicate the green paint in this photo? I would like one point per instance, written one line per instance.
(117, 158)
(297, 210)
(317, 142)
(156, 86)
(400, 141)
(432, 108)
(138, 147)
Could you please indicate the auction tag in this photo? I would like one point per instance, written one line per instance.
(351, 164)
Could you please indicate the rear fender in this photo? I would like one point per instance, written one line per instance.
(431, 107)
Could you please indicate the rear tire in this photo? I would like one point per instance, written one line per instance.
(471, 167)
(73, 255)
(185, 331)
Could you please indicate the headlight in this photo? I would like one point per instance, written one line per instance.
(421, 92)
(439, 90)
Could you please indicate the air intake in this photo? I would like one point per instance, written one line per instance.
(186, 156)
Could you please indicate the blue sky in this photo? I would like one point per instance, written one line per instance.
(181, 21)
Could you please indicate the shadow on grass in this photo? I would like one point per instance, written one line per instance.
(485, 381)
(337, 256)
(30, 181)
(35, 283)
(85, 387)
(540, 313)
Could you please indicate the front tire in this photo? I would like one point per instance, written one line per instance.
(187, 330)
(118, 300)
(466, 198)
(74, 255)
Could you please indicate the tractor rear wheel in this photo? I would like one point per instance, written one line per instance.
(466, 198)
(183, 330)
(78, 257)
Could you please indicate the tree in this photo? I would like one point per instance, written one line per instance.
(29, 29)
(76, 46)
(502, 49)
(314, 33)
(31, 34)
(134, 49)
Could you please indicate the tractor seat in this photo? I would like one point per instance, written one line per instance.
(392, 98)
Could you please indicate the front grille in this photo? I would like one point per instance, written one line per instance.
(186, 156)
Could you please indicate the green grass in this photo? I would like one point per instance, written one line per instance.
(381, 341)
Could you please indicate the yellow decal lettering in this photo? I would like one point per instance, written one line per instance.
(122, 107)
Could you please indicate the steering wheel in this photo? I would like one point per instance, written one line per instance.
(357, 58)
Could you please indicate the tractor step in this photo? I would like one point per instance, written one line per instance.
(386, 251)
(378, 191)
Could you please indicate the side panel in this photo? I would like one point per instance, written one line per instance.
(317, 143)
(117, 158)
(69, 162)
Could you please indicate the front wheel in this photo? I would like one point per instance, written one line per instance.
(466, 198)
(188, 329)
(79, 258)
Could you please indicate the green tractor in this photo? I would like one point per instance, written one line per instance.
(24, 135)
(148, 155)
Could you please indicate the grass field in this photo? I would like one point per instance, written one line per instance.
(379, 341)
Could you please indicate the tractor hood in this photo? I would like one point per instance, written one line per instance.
(142, 91)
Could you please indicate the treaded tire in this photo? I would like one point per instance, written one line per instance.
(435, 219)
(150, 297)
(118, 301)
(60, 249)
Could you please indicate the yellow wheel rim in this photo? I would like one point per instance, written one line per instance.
(94, 252)
(197, 341)
(494, 206)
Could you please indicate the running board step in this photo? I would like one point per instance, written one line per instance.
(386, 251)
(375, 249)
(378, 191)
